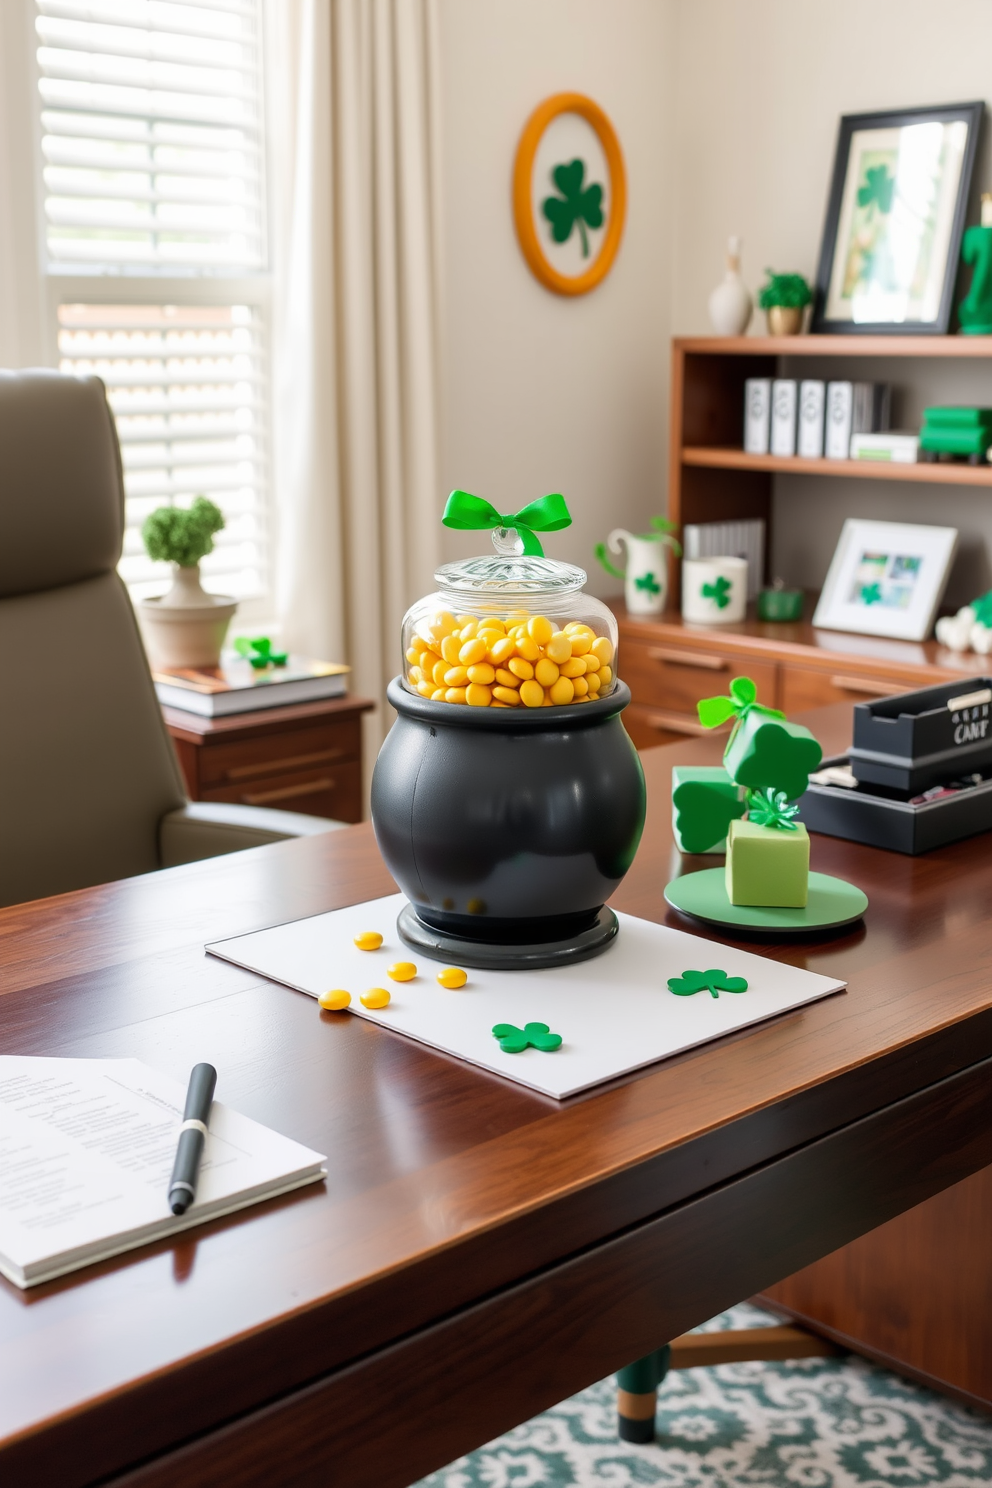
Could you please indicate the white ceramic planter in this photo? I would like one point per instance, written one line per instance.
(185, 627)
(714, 590)
(646, 573)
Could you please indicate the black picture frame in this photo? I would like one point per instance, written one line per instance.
(850, 125)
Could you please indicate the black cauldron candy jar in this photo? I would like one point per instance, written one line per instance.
(508, 800)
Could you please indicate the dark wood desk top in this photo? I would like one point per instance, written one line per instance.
(445, 1184)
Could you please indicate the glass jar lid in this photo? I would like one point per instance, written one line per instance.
(509, 571)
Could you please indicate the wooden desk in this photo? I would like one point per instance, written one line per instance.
(479, 1252)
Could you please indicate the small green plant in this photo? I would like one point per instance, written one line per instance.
(788, 290)
(182, 535)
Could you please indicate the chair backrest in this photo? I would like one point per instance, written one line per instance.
(87, 769)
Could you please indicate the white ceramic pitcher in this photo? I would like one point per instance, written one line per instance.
(646, 574)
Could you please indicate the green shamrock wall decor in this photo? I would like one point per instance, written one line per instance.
(575, 207)
(513, 1040)
(718, 591)
(714, 982)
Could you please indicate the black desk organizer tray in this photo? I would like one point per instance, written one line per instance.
(919, 739)
(881, 820)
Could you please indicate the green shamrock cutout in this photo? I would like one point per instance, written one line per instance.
(714, 982)
(871, 594)
(765, 752)
(704, 810)
(575, 207)
(513, 1040)
(648, 583)
(259, 653)
(743, 700)
(768, 809)
(718, 591)
(877, 190)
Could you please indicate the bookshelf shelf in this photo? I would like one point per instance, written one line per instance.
(941, 474)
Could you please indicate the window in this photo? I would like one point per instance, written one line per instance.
(152, 168)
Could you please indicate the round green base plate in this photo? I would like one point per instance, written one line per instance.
(831, 902)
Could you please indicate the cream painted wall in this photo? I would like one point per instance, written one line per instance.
(761, 86)
(545, 393)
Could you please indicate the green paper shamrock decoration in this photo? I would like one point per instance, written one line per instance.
(768, 808)
(714, 982)
(575, 207)
(648, 583)
(763, 753)
(703, 811)
(259, 653)
(741, 702)
(871, 594)
(877, 190)
(465, 512)
(513, 1040)
(718, 591)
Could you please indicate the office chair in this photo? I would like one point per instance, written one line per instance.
(91, 789)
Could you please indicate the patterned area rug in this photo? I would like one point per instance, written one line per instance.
(814, 1423)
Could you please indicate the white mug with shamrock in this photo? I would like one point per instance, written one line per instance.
(646, 574)
(714, 590)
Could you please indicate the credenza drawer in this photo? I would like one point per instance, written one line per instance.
(802, 687)
(674, 677)
(333, 790)
(648, 726)
(323, 746)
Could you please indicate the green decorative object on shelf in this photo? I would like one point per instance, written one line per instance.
(766, 865)
(742, 701)
(704, 802)
(779, 603)
(513, 1040)
(763, 753)
(790, 291)
(713, 982)
(577, 206)
(466, 512)
(975, 310)
(259, 653)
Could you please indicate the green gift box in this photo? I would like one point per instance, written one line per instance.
(767, 752)
(767, 865)
(704, 802)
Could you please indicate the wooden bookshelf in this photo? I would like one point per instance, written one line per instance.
(939, 473)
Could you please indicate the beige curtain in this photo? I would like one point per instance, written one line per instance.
(353, 184)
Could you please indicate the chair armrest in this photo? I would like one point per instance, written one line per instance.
(206, 829)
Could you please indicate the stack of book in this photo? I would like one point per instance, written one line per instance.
(237, 687)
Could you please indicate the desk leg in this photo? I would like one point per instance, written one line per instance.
(637, 1387)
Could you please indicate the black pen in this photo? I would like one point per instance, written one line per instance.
(192, 1135)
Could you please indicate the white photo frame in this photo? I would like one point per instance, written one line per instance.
(886, 579)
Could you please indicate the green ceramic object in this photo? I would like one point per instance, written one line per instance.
(975, 310)
(766, 866)
(780, 604)
(704, 802)
(765, 752)
(831, 902)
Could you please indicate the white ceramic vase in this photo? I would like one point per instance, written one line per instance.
(731, 307)
(186, 626)
(714, 590)
(645, 579)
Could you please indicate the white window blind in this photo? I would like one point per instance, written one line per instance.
(151, 135)
(187, 387)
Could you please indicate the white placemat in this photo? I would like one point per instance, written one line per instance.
(615, 1013)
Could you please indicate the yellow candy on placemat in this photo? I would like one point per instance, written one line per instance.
(453, 977)
(369, 940)
(523, 660)
(375, 997)
(401, 971)
(335, 1000)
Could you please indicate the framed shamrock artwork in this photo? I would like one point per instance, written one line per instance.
(886, 579)
(892, 239)
(569, 194)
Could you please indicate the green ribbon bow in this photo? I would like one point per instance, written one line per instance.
(259, 653)
(742, 701)
(718, 591)
(714, 982)
(550, 514)
(770, 808)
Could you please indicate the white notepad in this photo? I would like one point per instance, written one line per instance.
(86, 1152)
(614, 1013)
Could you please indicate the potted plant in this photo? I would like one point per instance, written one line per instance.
(783, 299)
(186, 626)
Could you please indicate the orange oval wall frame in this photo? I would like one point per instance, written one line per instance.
(523, 213)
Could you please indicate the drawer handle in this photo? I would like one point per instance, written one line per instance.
(679, 723)
(280, 766)
(287, 792)
(690, 659)
(866, 686)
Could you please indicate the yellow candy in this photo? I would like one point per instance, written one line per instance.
(473, 651)
(456, 676)
(592, 662)
(437, 672)
(592, 682)
(464, 619)
(450, 649)
(574, 668)
(502, 650)
(468, 630)
(580, 686)
(507, 679)
(454, 695)
(437, 696)
(375, 997)
(507, 696)
(528, 648)
(520, 668)
(413, 655)
(563, 691)
(581, 642)
(559, 648)
(426, 689)
(602, 649)
(453, 977)
(482, 672)
(401, 971)
(540, 629)
(497, 704)
(605, 676)
(335, 1000)
(369, 940)
(441, 626)
(478, 696)
(546, 672)
(531, 693)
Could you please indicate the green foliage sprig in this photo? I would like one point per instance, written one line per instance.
(788, 290)
(182, 535)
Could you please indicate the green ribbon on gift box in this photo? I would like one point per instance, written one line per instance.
(742, 700)
(259, 653)
(466, 512)
(770, 808)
